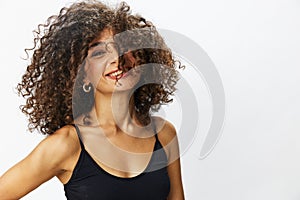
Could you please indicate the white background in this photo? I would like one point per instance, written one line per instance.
(255, 46)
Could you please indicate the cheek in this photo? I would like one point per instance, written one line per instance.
(95, 71)
(131, 81)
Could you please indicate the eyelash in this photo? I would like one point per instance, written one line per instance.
(98, 53)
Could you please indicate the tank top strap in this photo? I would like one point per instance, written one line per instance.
(157, 142)
(79, 135)
(154, 130)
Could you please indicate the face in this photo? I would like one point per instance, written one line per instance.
(102, 66)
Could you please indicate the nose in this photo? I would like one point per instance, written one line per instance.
(114, 56)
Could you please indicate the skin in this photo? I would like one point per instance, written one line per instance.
(58, 153)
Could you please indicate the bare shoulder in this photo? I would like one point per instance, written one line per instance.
(53, 156)
(167, 136)
(165, 129)
(59, 146)
(64, 138)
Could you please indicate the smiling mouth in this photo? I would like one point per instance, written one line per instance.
(117, 74)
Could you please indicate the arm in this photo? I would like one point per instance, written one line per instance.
(169, 140)
(48, 159)
(176, 191)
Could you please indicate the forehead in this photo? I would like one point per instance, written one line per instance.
(104, 36)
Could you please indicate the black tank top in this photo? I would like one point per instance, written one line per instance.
(89, 181)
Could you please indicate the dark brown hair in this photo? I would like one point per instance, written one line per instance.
(60, 47)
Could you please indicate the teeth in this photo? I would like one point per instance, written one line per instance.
(117, 73)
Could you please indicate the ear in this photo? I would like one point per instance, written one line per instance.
(85, 65)
(85, 68)
(86, 81)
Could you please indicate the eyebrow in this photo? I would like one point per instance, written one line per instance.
(96, 44)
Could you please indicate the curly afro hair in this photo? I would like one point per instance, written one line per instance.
(51, 85)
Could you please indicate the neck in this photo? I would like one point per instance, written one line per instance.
(113, 110)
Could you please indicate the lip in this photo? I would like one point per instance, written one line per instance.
(120, 76)
(107, 74)
(115, 70)
(124, 74)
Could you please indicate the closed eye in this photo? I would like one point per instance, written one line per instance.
(98, 53)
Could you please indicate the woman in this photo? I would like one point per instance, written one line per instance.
(95, 76)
